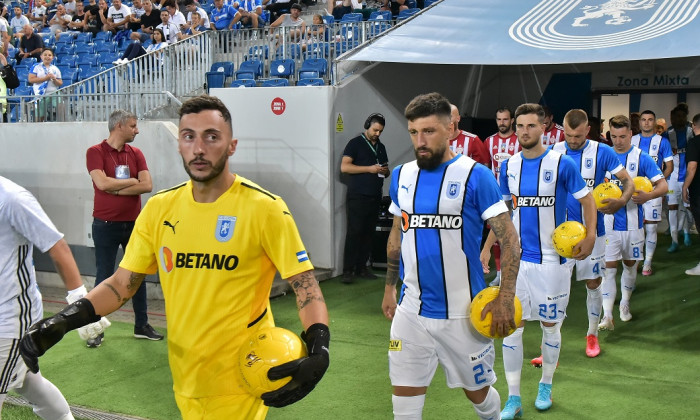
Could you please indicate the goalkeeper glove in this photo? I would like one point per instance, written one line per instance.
(305, 372)
(91, 330)
(49, 331)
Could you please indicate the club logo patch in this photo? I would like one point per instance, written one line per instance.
(453, 188)
(224, 228)
(589, 163)
(548, 176)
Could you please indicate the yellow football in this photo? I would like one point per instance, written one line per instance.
(566, 236)
(642, 183)
(604, 191)
(483, 326)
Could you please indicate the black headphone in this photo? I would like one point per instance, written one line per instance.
(374, 117)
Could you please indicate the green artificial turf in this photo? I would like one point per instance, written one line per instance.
(647, 368)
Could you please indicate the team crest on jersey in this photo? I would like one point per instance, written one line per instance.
(633, 166)
(224, 228)
(589, 24)
(453, 188)
(589, 163)
(548, 176)
(654, 147)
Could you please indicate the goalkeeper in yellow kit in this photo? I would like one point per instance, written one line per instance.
(216, 242)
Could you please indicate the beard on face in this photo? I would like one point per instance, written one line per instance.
(431, 161)
(216, 169)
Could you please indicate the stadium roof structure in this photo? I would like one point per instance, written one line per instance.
(517, 32)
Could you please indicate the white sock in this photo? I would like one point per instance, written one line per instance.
(551, 345)
(46, 400)
(513, 360)
(609, 291)
(650, 242)
(628, 281)
(408, 408)
(682, 219)
(594, 303)
(490, 408)
(673, 224)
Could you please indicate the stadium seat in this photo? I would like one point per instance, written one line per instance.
(243, 83)
(412, 4)
(275, 82)
(308, 74)
(103, 36)
(350, 33)
(65, 38)
(86, 59)
(259, 52)
(427, 3)
(378, 26)
(328, 19)
(49, 40)
(288, 51)
(22, 73)
(405, 14)
(84, 37)
(24, 91)
(82, 48)
(105, 46)
(352, 17)
(225, 67)
(249, 67)
(311, 82)
(215, 79)
(104, 59)
(317, 50)
(64, 49)
(282, 68)
(69, 75)
(86, 73)
(380, 15)
(69, 60)
(319, 65)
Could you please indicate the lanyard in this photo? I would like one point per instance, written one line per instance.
(372, 147)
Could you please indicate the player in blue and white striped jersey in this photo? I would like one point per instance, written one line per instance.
(623, 230)
(594, 160)
(539, 181)
(439, 202)
(659, 149)
(678, 135)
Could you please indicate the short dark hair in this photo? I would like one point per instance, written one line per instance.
(681, 107)
(575, 117)
(188, 2)
(505, 109)
(648, 111)
(696, 119)
(620, 121)
(525, 109)
(205, 103)
(296, 6)
(547, 111)
(426, 105)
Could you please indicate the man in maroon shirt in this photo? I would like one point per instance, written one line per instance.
(119, 176)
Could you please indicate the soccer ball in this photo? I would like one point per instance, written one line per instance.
(263, 350)
(604, 191)
(642, 183)
(566, 236)
(480, 300)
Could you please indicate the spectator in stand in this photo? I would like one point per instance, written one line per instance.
(221, 16)
(249, 14)
(78, 23)
(4, 32)
(176, 16)
(117, 17)
(276, 7)
(170, 30)
(396, 6)
(339, 8)
(38, 15)
(30, 45)
(293, 21)
(315, 33)
(45, 78)
(135, 49)
(196, 27)
(191, 7)
(148, 22)
(137, 10)
(17, 22)
(59, 22)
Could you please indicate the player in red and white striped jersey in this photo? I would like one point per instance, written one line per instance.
(553, 132)
(503, 144)
(466, 143)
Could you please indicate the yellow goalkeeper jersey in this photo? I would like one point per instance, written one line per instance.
(216, 263)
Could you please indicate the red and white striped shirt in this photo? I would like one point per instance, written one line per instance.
(469, 144)
(500, 149)
(553, 136)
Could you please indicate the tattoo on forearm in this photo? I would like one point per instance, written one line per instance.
(306, 289)
(135, 281)
(392, 271)
(116, 293)
(507, 236)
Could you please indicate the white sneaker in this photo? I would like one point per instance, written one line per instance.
(606, 324)
(625, 314)
(117, 62)
(695, 271)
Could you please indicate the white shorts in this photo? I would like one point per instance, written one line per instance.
(543, 290)
(674, 190)
(652, 209)
(417, 344)
(624, 245)
(13, 368)
(593, 266)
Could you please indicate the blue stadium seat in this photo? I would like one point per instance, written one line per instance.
(104, 59)
(87, 59)
(319, 65)
(22, 73)
(288, 51)
(427, 3)
(318, 50)
(378, 26)
(82, 48)
(215, 79)
(380, 15)
(69, 75)
(105, 46)
(69, 60)
(275, 82)
(243, 83)
(352, 17)
(64, 49)
(65, 38)
(282, 68)
(350, 33)
(49, 40)
(311, 82)
(225, 67)
(103, 36)
(88, 72)
(405, 14)
(249, 67)
(25, 90)
(84, 37)
(260, 52)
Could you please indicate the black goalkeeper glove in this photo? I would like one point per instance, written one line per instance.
(49, 331)
(305, 372)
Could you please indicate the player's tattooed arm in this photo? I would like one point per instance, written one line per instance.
(393, 253)
(504, 230)
(135, 280)
(306, 288)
